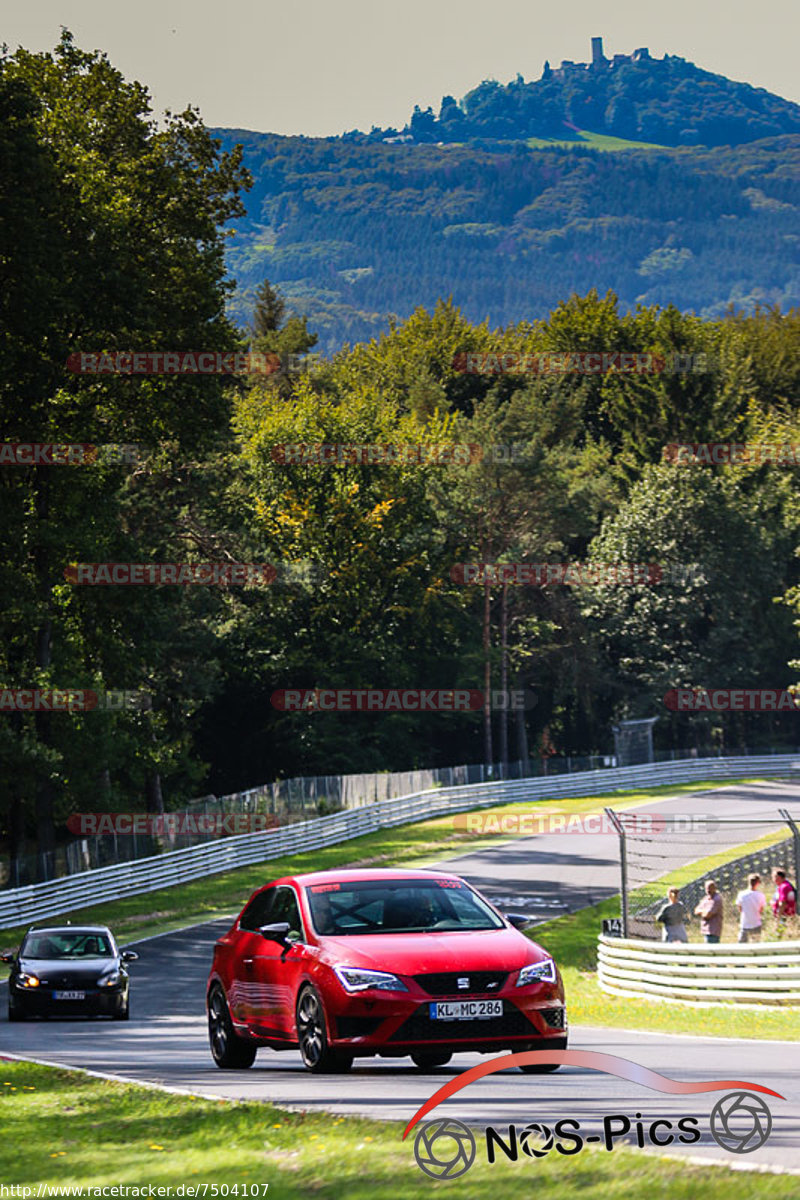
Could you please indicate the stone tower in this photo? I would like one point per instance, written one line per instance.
(597, 51)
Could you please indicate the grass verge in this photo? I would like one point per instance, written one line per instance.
(71, 1129)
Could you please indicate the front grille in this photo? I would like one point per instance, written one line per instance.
(445, 983)
(56, 983)
(420, 1028)
(353, 1027)
(554, 1017)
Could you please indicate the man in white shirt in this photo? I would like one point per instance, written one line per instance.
(751, 904)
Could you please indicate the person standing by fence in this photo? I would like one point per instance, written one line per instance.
(784, 902)
(751, 904)
(710, 912)
(673, 916)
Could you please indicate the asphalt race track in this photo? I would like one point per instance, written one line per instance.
(165, 1040)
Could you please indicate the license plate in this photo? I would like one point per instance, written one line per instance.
(465, 1010)
(69, 995)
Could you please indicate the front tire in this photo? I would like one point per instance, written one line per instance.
(545, 1068)
(229, 1051)
(428, 1060)
(124, 1013)
(16, 1014)
(312, 1036)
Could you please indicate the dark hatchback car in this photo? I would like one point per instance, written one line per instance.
(69, 970)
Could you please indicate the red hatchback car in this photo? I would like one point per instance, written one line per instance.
(362, 962)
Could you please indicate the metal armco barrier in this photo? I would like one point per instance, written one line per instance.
(22, 905)
(754, 973)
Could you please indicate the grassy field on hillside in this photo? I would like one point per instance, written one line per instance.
(594, 141)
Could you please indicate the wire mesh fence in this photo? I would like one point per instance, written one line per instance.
(685, 851)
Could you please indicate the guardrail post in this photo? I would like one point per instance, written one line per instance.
(623, 867)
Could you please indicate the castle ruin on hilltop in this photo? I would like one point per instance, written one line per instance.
(599, 61)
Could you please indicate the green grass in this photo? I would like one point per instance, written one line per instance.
(61, 1128)
(417, 845)
(572, 940)
(594, 141)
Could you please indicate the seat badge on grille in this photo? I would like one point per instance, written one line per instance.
(463, 982)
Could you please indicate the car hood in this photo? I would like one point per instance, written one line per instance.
(68, 968)
(420, 953)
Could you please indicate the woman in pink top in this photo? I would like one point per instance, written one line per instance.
(784, 902)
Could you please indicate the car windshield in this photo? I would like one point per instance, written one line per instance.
(73, 944)
(398, 906)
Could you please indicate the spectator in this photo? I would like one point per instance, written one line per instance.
(673, 916)
(710, 911)
(784, 902)
(751, 904)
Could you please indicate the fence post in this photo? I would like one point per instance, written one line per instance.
(786, 816)
(623, 866)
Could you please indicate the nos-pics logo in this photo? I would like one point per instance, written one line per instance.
(740, 1122)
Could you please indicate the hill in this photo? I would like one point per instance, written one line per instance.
(352, 233)
(667, 101)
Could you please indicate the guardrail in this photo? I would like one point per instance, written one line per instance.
(40, 900)
(700, 974)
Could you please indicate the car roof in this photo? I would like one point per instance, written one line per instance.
(69, 929)
(364, 875)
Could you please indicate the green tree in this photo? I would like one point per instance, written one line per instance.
(113, 242)
(712, 620)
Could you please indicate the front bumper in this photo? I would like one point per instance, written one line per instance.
(397, 1023)
(41, 1002)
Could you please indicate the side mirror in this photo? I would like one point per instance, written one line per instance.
(517, 920)
(275, 933)
(8, 957)
(129, 956)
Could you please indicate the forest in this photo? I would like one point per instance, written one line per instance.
(355, 234)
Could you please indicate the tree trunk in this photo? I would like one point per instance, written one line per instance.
(487, 671)
(504, 680)
(522, 740)
(45, 827)
(153, 797)
(16, 840)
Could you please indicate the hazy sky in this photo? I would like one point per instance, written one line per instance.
(323, 66)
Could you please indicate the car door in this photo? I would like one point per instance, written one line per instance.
(243, 991)
(277, 970)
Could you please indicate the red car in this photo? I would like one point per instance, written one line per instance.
(361, 962)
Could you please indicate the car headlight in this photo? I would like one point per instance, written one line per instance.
(27, 981)
(109, 980)
(356, 979)
(540, 972)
